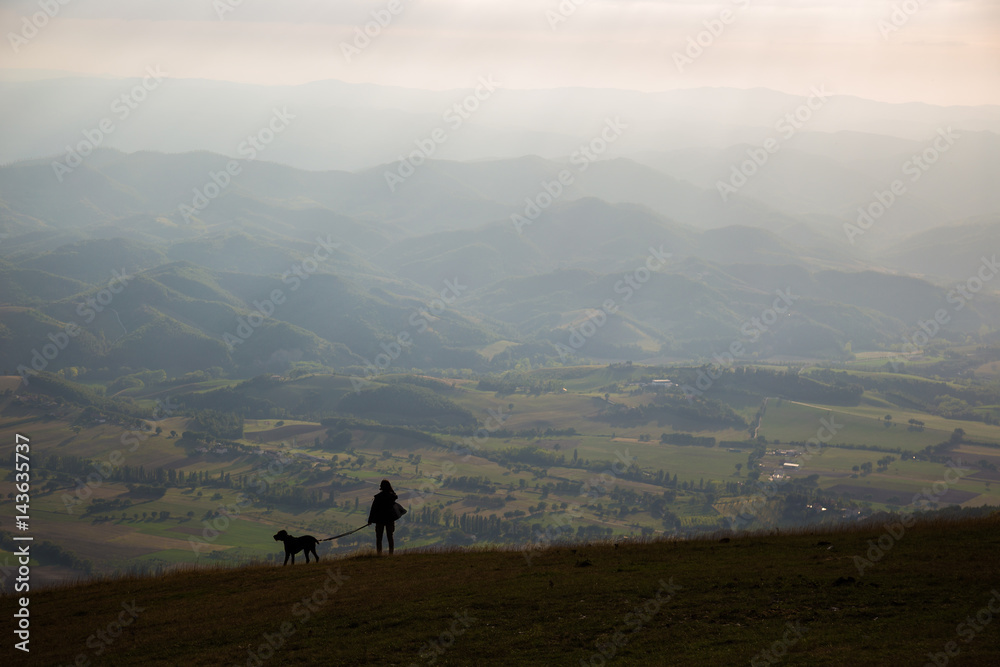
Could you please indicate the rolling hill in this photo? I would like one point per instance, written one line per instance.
(802, 597)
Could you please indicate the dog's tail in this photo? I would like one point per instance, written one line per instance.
(343, 534)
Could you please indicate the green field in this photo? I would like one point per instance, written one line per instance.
(865, 425)
(703, 489)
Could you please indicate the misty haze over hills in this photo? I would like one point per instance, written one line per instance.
(535, 204)
(829, 160)
(356, 126)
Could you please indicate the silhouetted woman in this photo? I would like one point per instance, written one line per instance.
(383, 514)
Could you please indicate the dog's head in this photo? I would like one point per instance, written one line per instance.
(280, 535)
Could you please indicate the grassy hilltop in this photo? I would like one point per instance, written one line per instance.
(749, 599)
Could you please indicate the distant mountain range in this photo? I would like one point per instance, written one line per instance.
(346, 126)
(283, 266)
(696, 156)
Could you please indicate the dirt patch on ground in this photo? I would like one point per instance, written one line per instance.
(11, 382)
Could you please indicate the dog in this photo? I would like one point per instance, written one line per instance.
(293, 545)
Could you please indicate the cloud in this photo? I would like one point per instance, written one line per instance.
(947, 52)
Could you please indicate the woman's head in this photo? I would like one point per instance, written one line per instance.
(385, 486)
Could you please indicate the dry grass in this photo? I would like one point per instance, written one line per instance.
(737, 594)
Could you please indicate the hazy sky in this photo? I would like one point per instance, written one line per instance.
(943, 52)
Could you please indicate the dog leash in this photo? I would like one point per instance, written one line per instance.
(343, 534)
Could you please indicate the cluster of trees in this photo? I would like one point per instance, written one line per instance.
(293, 496)
(408, 404)
(191, 439)
(341, 423)
(687, 439)
(233, 400)
(336, 441)
(511, 383)
(941, 452)
(490, 502)
(792, 384)
(935, 397)
(526, 434)
(221, 425)
(824, 386)
(280, 488)
(420, 381)
(866, 468)
(676, 410)
(492, 527)
(78, 466)
(563, 488)
(529, 456)
(138, 380)
(469, 483)
(154, 482)
(210, 373)
(52, 385)
(107, 505)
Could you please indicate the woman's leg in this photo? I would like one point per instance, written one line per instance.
(389, 529)
(378, 538)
